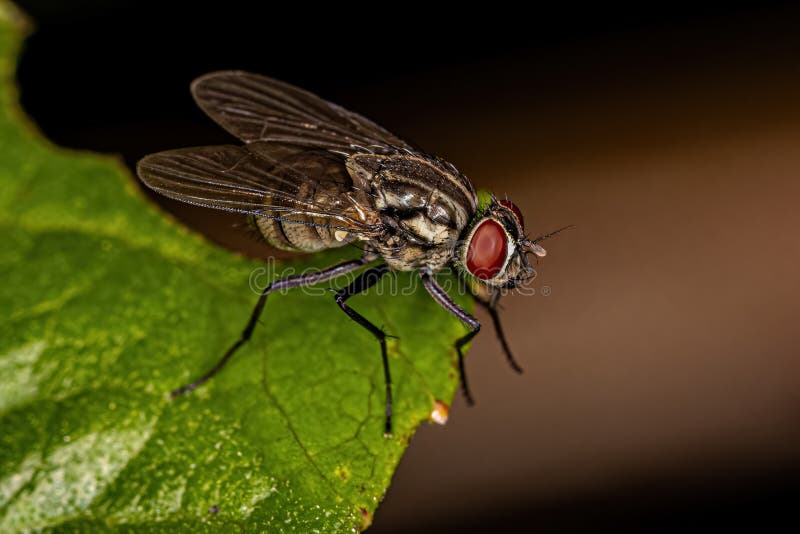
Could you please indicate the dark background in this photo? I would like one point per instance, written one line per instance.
(662, 381)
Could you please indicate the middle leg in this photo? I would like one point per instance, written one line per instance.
(363, 282)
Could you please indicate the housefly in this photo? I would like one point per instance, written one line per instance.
(312, 175)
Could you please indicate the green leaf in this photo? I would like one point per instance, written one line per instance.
(107, 305)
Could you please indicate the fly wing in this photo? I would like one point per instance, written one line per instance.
(273, 180)
(257, 108)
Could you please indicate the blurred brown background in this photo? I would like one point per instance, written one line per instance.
(662, 381)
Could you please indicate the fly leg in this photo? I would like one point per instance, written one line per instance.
(444, 300)
(289, 282)
(491, 306)
(364, 281)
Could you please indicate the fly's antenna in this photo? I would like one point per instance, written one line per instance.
(552, 234)
(533, 246)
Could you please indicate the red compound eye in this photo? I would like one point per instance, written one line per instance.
(513, 207)
(487, 250)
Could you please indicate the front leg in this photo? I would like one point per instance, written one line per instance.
(491, 305)
(444, 300)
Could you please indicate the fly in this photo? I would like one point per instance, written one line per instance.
(312, 175)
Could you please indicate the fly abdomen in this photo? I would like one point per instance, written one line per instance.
(298, 236)
(299, 230)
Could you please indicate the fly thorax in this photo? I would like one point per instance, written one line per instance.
(423, 205)
(411, 193)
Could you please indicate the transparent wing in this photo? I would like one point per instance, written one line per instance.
(272, 180)
(257, 108)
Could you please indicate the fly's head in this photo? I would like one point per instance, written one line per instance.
(495, 249)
